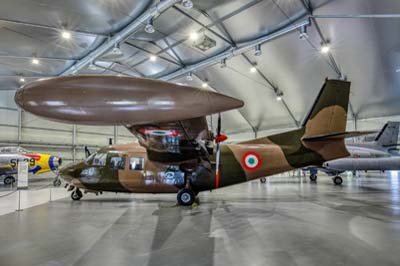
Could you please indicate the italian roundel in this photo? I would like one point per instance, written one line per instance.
(251, 160)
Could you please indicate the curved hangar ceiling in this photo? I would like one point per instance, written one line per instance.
(277, 76)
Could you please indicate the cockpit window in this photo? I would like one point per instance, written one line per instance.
(100, 159)
(117, 163)
(136, 163)
(90, 158)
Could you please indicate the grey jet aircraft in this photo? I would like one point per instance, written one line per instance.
(379, 154)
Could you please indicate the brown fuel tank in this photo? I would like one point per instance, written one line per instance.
(108, 100)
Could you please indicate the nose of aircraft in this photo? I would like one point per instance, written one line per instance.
(67, 172)
(54, 162)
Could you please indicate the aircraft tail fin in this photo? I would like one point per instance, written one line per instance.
(328, 115)
(388, 136)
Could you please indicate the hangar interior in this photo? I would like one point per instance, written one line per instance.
(278, 83)
(272, 54)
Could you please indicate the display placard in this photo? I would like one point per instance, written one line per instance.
(22, 175)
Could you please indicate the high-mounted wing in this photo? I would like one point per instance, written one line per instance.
(175, 141)
(168, 119)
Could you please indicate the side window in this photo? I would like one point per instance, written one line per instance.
(136, 163)
(100, 159)
(117, 163)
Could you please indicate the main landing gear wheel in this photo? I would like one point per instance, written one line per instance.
(313, 178)
(76, 194)
(57, 182)
(263, 180)
(338, 180)
(186, 197)
(9, 180)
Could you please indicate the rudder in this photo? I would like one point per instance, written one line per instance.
(328, 115)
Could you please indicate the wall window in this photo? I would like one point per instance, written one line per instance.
(136, 163)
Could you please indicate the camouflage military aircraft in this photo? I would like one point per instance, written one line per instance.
(176, 151)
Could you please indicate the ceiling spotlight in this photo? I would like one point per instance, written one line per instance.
(253, 69)
(35, 61)
(193, 36)
(149, 28)
(189, 76)
(187, 4)
(303, 33)
(153, 58)
(92, 66)
(223, 63)
(21, 79)
(325, 48)
(204, 85)
(66, 35)
(279, 95)
(257, 50)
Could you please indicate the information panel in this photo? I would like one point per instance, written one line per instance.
(22, 175)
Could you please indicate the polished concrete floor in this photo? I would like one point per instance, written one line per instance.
(287, 221)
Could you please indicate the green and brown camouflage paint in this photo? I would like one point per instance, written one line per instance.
(312, 144)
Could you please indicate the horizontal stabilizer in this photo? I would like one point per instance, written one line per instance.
(338, 135)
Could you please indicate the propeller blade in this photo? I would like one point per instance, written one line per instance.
(218, 152)
(87, 152)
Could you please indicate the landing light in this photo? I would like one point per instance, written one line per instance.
(253, 69)
(21, 79)
(35, 61)
(204, 85)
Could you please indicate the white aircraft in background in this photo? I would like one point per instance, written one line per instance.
(379, 154)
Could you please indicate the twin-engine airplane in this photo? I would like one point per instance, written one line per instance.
(38, 163)
(176, 151)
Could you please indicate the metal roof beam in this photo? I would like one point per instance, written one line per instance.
(29, 24)
(276, 90)
(356, 16)
(241, 48)
(121, 36)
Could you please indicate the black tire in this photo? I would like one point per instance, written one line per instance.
(337, 180)
(313, 178)
(9, 180)
(76, 195)
(263, 180)
(185, 197)
(57, 182)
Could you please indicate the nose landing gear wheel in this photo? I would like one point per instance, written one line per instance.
(337, 180)
(313, 178)
(57, 182)
(76, 194)
(263, 180)
(185, 197)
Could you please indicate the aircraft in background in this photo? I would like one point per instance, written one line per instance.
(365, 156)
(176, 151)
(38, 163)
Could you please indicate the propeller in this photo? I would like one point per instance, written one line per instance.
(218, 139)
(87, 152)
